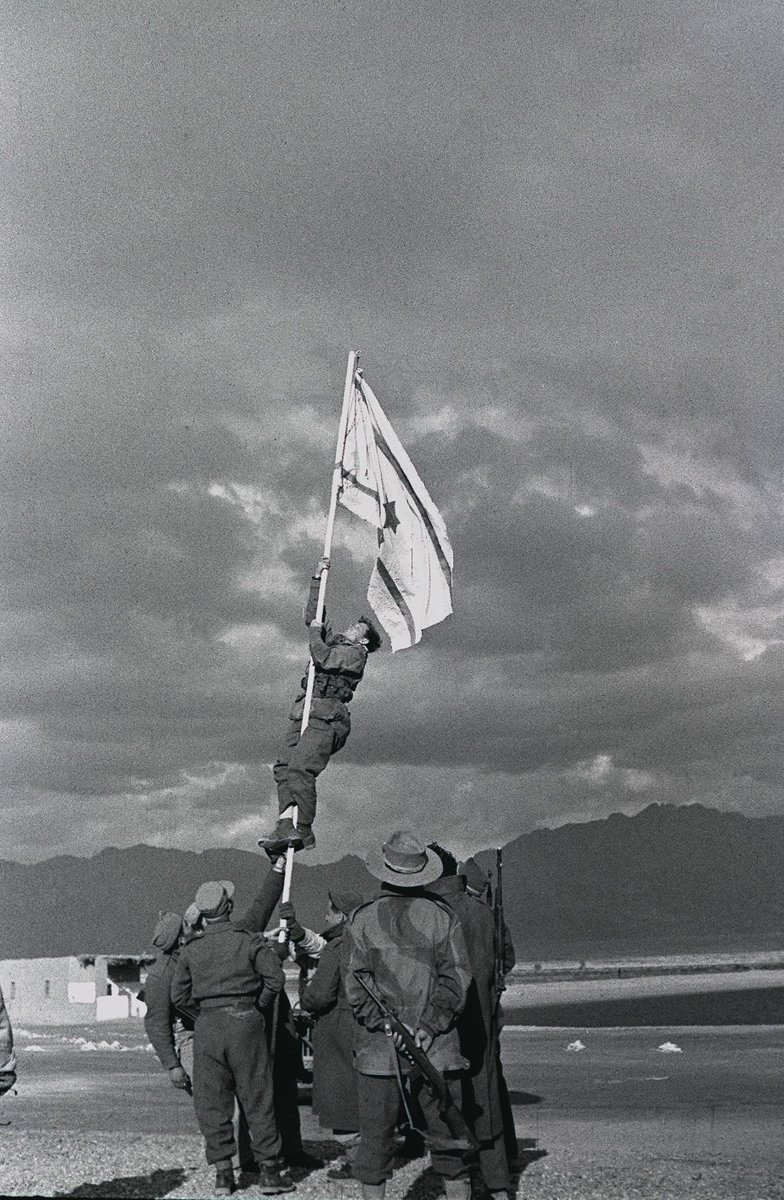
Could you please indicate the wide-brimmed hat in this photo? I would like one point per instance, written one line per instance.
(211, 896)
(404, 861)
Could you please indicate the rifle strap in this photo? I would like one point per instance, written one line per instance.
(403, 1096)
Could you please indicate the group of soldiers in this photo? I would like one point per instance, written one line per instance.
(404, 988)
(415, 967)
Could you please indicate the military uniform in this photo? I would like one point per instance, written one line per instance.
(410, 949)
(478, 1031)
(231, 975)
(171, 1031)
(339, 666)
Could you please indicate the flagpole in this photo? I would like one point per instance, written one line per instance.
(333, 504)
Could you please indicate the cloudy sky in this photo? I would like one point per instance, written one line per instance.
(554, 231)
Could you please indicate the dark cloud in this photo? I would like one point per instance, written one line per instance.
(554, 236)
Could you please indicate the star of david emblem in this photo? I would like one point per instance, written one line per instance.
(391, 520)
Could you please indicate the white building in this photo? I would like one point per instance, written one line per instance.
(73, 990)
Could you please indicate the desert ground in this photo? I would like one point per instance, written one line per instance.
(602, 1111)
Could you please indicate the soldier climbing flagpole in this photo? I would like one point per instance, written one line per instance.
(320, 604)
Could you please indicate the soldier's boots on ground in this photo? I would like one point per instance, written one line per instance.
(248, 1177)
(272, 1182)
(268, 1178)
(224, 1178)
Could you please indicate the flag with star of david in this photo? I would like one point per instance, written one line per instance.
(411, 584)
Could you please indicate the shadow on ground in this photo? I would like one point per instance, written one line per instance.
(325, 1149)
(428, 1186)
(132, 1187)
(528, 1151)
(525, 1098)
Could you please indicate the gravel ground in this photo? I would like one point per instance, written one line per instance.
(138, 1166)
(543, 1180)
(38, 1163)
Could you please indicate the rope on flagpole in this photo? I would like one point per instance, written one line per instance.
(333, 503)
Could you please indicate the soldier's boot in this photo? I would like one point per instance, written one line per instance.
(306, 837)
(281, 837)
(224, 1178)
(248, 1176)
(374, 1191)
(271, 1181)
(457, 1189)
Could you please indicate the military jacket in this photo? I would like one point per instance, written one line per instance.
(412, 952)
(161, 1012)
(339, 663)
(228, 962)
(160, 1015)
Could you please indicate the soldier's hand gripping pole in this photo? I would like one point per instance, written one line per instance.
(464, 1137)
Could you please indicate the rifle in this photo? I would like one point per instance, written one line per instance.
(498, 925)
(434, 1081)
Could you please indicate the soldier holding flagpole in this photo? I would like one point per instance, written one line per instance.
(410, 589)
(339, 664)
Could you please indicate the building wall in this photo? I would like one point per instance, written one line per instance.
(71, 990)
(52, 991)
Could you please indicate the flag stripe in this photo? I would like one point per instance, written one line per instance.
(361, 487)
(389, 456)
(397, 596)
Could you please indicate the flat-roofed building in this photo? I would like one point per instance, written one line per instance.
(73, 989)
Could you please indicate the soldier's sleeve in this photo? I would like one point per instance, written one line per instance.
(159, 1018)
(267, 966)
(354, 958)
(341, 658)
(453, 977)
(263, 906)
(182, 984)
(312, 945)
(312, 601)
(321, 993)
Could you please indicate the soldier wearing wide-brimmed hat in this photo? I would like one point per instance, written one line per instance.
(409, 947)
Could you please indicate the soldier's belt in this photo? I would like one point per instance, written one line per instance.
(227, 1002)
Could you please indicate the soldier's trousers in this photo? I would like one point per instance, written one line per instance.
(244, 1157)
(379, 1104)
(304, 756)
(494, 1165)
(230, 1059)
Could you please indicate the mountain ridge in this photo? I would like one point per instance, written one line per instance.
(672, 875)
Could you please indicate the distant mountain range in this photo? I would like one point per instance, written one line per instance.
(669, 880)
